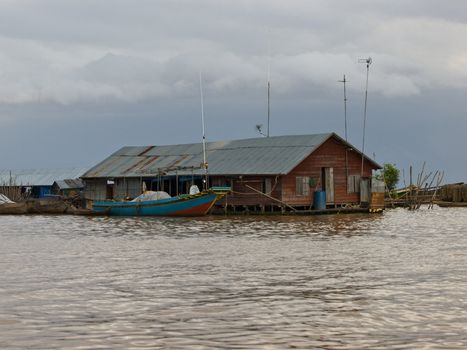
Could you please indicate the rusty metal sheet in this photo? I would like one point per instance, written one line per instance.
(265, 156)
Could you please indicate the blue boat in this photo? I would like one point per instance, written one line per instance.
(197, 204)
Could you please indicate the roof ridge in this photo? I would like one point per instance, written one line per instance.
(229, 140)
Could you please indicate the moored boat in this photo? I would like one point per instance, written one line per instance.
(197, 204)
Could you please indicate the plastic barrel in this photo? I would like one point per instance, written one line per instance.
(319, 200)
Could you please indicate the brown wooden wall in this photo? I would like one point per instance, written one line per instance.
(243, 195)
(330, 154)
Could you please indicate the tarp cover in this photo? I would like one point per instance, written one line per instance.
(4, 199)
(194, 189)
(151, 196)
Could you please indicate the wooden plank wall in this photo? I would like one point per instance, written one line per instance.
(330, 154)
(242, 195)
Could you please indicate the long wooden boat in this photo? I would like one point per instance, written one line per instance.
(183, 205)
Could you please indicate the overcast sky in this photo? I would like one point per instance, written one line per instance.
(81, 78)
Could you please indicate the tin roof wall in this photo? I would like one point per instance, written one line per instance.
(39, 177)
(262, 156)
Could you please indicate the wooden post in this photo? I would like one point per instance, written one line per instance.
(226, 204)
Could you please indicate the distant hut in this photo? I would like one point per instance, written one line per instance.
(267, 174)
(68, 188)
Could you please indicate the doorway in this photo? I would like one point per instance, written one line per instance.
(327, 179)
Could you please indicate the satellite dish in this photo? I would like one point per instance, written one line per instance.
(259, 128)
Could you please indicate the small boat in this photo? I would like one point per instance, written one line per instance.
(197, 204)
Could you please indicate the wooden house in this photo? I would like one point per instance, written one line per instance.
(267, 174)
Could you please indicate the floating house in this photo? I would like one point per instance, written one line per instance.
(266, 174)
(36, 183)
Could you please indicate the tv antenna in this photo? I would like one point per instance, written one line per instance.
(368, 61)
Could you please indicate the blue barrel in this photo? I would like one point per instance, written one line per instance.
(319, 200)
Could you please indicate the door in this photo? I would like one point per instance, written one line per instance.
(328, 184)
(365, 190)
(109, 191)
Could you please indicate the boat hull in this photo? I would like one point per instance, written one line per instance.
(190, 205)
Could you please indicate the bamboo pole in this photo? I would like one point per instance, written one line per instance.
(270, 197)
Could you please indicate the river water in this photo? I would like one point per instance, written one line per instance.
(391, 281)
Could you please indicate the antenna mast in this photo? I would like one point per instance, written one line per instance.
(368, 61)
(205, 163)
(345, 128)
(345, 106)
(269, 82)
(269, 108)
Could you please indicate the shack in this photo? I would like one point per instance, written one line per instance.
(68, 188)
(266, 174)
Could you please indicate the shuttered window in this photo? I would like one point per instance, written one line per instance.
(302, 187)
(353, 184)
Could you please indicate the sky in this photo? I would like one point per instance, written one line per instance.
(81, 78)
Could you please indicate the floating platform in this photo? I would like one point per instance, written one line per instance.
(326, 211)
(451, 204)
(42, 206)
(339, 211)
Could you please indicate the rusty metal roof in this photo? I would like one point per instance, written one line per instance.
(275, 155)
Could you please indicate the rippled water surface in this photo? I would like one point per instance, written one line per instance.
(391, 281)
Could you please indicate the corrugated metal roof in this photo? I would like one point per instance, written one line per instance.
(266, 156)
(68, 184)
(39, 177)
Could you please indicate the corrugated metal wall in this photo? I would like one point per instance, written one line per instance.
(127, 188)
(96, 189)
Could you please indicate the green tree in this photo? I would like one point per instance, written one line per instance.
(390, 175)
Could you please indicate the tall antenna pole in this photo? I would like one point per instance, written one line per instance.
(269, 106)
(345, 128)
(368, 61)
(269, 83)
(205, 163)
(345, 107)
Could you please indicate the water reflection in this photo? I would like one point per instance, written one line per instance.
(342, 282)
(233, 226)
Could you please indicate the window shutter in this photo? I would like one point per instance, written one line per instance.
(298, 185)
(306, 187)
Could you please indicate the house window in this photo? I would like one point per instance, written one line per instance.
(353, 184)
(302, 187)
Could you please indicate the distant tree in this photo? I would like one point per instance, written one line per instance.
(390, 175)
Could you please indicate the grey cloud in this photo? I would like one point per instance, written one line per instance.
(97, 60)
(155, 49)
